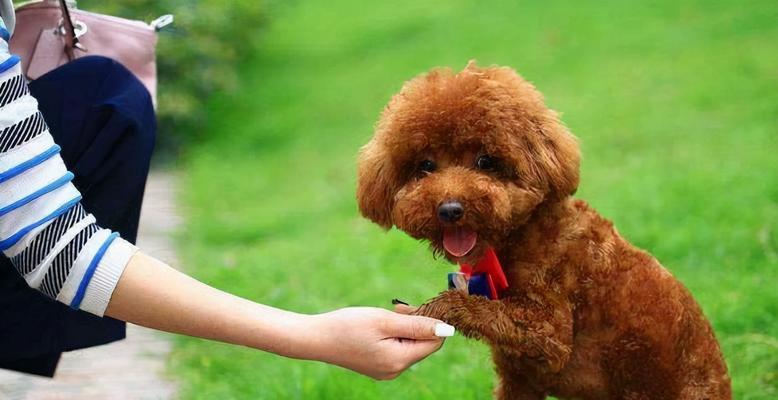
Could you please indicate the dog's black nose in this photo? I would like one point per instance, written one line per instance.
(450, 211)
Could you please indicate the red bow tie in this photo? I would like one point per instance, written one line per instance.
(490, 266)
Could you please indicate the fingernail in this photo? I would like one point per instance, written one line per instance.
(444, 330)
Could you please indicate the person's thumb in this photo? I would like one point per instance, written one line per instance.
(419, 328)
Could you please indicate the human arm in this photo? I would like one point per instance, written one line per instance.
(48, 236)
(362, 339)
(59, 249)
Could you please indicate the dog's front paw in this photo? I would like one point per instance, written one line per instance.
(463, 311)
(442, 307)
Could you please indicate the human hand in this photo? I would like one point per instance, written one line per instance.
(372, 341)
(375, 342)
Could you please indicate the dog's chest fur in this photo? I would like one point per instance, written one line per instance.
(631, 320)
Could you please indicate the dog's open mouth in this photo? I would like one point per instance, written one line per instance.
(458, 241)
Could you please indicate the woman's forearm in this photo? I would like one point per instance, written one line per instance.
(152, 294)
(372, 341)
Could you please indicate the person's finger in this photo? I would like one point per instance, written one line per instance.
(420, 349)
(404, 309)
(418, 328)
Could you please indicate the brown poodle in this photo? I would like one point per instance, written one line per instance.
(474, 160)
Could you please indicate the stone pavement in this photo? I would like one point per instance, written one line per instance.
(131, 369)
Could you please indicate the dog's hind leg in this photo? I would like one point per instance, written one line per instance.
(530, 330)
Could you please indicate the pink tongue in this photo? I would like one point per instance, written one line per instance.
(459, 241)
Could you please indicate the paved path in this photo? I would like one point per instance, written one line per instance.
(131, 369)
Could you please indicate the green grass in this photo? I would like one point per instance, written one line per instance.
(676, 106)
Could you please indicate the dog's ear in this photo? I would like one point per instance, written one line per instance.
(375, 184)
(559, 157)
(555, 150)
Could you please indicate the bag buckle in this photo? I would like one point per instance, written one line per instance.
(79, 29)
(161, 22)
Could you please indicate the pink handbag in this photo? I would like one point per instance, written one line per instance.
(50, 33)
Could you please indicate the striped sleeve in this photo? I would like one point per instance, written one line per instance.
(51, 240)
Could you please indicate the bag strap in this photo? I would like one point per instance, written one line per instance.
(71, 40)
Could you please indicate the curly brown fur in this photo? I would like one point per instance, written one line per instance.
(587, 315)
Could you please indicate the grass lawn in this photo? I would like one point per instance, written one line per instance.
(676, 106)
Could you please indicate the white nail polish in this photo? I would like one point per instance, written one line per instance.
(444, 330)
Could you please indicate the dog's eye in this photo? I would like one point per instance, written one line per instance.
(486, 163)
(427, 166)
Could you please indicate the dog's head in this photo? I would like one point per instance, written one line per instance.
(463, 159)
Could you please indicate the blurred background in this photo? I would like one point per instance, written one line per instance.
(264, 105)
